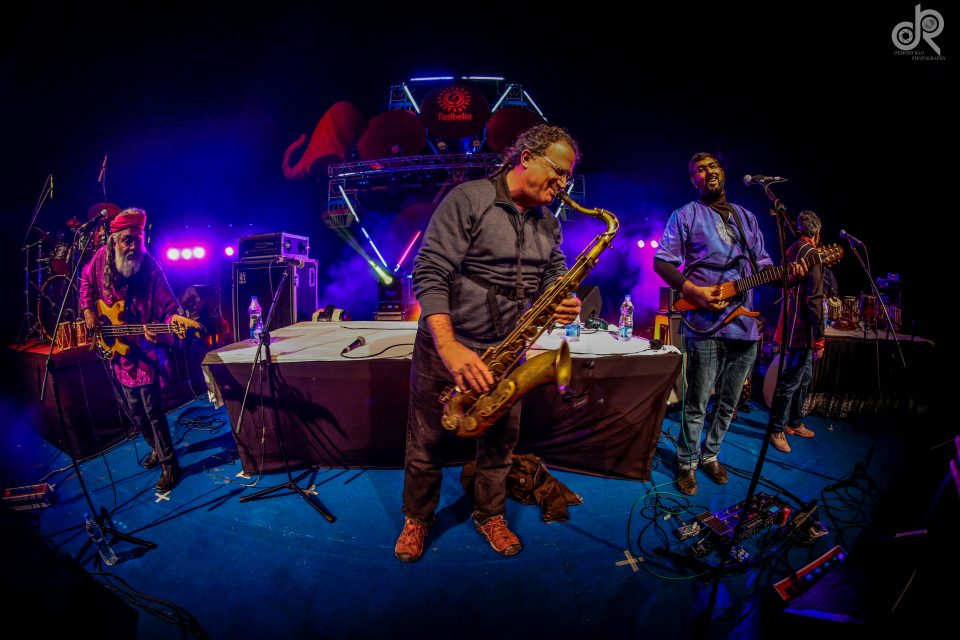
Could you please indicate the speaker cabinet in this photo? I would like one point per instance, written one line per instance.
(296, 303)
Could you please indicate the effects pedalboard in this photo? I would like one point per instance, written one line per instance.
(765, 510)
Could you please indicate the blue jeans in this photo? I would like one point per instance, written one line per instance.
(423, 466)
(791, 393)
(719, 364)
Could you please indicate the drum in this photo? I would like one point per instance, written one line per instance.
(80, 334)
(868, 310)
(64, 338)
(894, 311)
(52, 294)
(60, 258)
(851, 309)
(834, 309)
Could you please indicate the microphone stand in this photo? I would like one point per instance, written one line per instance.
(730, 560)
(103, 518)
(876, 292)
(272, 376)
(33, 326)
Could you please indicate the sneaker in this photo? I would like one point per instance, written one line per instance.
(715, 471)
(779, 442)
(503, 541)
(409, 545)
(801, 431)
(168, 477)
(151, 460)
(687, 481)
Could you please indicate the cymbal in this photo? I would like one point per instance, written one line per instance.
(94, 211)
(74, 222)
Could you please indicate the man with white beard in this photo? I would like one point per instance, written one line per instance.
(122, 270)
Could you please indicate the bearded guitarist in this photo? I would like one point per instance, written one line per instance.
(716, 242)
(122, 272)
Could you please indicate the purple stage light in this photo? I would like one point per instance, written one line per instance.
(641, 244)
(186, 254)
(654, 244)
(229, 251)
(173, 254)
(199, 253)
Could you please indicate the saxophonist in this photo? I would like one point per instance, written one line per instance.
(490, 248)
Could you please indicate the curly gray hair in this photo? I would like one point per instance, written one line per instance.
(538, 139)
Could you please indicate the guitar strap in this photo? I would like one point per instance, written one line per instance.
(743, 238)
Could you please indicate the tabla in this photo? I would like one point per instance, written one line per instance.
(851, 309)
(71, 335)
(894, 311)
(834, 308)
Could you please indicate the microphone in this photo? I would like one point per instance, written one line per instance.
(103, 168)
(100, 217)
(762, 180)
(849, 238)
(51, 186)
(359, 342)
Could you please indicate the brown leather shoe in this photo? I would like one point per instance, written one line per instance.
(168, 477)
(687, 482)
(503, 541)
(779, 442)
(715, 471)
(409, 545)
(151, 460)
(801, 431)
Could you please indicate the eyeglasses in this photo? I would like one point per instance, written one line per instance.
(562, 174)
(712, 166)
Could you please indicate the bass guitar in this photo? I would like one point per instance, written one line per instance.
(110, 335)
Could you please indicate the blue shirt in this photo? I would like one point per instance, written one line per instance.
(712, 252)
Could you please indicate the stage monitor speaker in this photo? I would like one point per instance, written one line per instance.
(296, 303)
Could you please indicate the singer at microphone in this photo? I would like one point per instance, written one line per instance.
(359, 342)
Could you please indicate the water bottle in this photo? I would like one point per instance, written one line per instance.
(573, 329)
(93, 530)
(256, 320)
(626, 319)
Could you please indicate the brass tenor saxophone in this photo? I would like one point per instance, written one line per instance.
(471, 413)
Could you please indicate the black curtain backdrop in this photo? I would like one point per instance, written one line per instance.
(194, 105)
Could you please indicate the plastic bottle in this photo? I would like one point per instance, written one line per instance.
(573, 329)
(256, 320)
(96, 535)
(626, 319)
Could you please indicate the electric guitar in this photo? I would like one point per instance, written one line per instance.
(824, 255)
(110, 335)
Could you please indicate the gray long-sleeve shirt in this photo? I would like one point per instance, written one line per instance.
(478, 232)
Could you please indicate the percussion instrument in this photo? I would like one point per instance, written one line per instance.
(868, 310)
(834, 308)
(851, 309)
(71, 334)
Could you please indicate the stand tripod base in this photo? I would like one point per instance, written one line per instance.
(112, 535)
(291, 484)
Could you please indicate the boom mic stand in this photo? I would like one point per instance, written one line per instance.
(272, 376)
(730, 560)
(102, 517)
(31, 324)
